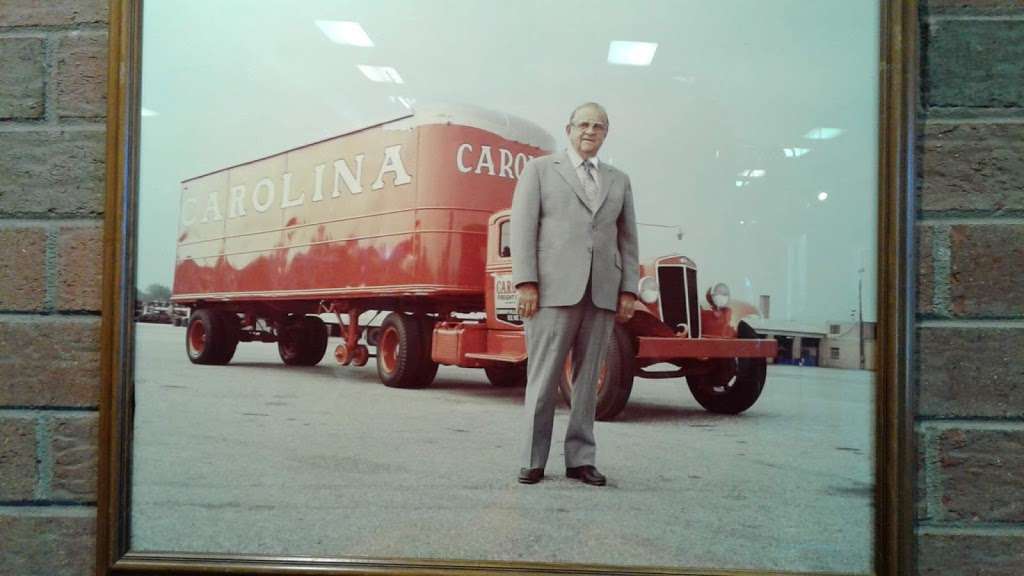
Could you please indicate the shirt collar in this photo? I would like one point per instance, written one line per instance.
(577, 160)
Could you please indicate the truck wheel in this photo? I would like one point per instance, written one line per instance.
(733, 384)
(302, 341)
(212, 337)
(400, 355)
(507, 375)
(429, 369)
(615, 379)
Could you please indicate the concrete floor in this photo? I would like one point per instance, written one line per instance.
(256, 457)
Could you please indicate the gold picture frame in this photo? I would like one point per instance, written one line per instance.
(894, 453)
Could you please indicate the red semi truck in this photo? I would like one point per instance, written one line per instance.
(409, 218)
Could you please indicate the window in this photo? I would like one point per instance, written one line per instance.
(833, 328)
(834, 353)
(505, 239)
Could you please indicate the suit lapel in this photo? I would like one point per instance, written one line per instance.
(566, 170)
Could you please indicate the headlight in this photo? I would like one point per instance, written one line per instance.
(649, 290)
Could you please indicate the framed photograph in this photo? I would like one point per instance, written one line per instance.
(315, 358)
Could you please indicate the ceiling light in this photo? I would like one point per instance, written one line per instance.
(147, 112)
(381, 73)
(795, 152)
(822, 196)
(348, 33)
(407, 102)
(753, 173)
(823, 133)
(631, 53)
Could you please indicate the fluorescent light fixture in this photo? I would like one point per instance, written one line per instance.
(631, 53)
(684, 79)
(741, 183)
(795, 152)
(348, 33)
(753, 173)
(145, 112)
(823, 133)
(407, 102)
(380, 73)
(822, 196)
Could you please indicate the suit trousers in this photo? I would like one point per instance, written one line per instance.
(551, 334)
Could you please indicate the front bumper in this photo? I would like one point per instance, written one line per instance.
(669, 348)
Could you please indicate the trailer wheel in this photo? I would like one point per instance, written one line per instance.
(211, 337)
(507, 375)
(429, 369)
(733, 384)
(400, 355)
(615, 379)
(302, 341)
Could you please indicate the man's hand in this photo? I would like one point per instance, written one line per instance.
(625, 310)
(527, 299)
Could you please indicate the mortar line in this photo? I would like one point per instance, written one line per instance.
(50, 80)
(1009, 323)
(47, 508)
(961, 529)
(942, 269)
(975, 18)
(973, 424)
(20, 31)
(947, 115)
(42, 125)
(17, 223)
(50, 272)
(44, 464)
(15, 411)
(1011, 219)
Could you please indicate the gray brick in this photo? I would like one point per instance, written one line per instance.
(73, 446)
(52, 173)
(970, 555)
(973, 167)
(50, 363)
(971, 372)
(975, 63)
(972, 7)
(18, 465)
(82, 76)
(53, 12)
(48, 546)
(987, 274)
(21, 78)
(981, 473)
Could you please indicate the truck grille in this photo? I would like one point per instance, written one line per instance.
(678, 299)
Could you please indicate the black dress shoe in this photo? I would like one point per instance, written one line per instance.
(587, 475)
(530, 475)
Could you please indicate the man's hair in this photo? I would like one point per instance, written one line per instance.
(589, 105)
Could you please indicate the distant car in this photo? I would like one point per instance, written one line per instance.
(156, 317)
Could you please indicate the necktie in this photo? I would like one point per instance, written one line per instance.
(589, 183)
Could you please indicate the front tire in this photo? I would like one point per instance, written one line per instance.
(733, 384)
(615, 379)
(403, 358)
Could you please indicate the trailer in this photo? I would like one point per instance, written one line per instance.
(410, 219)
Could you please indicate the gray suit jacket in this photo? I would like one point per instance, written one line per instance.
(559, 243)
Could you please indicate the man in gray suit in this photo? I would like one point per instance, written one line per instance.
(574, 264)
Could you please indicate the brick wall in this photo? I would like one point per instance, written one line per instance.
(52, 146)
(970, 348)
(970, 309)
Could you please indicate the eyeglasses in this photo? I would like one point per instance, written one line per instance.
(596, 126)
